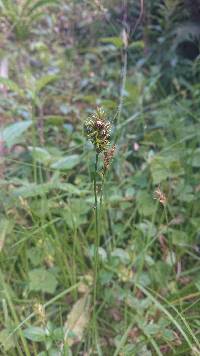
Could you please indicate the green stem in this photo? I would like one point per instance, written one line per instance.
(14, 315)
(34, 138)
(102, 188)
(117, 119)
(169, 238)
(96, 254)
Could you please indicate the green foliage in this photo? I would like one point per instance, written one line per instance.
(67, 163)
(65, 59)
(22, 16)
(6, 341)
(11, 85)
(12, 133)
(35, 333)
(42, 280)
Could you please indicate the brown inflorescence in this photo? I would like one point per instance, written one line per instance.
(97, 130)
(40, 313)
(108, 155)
(160, 196)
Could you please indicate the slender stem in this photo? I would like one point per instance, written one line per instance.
(117, 119)
(108, 217)
(118, 132)
(96, 252)
(102, 188)
(34, 138)
(169, 238)
(14, 315)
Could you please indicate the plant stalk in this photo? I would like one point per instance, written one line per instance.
(96, 252)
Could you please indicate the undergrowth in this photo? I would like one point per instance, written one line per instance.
(99, 238)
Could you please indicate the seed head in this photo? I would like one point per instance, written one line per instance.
(108, 156)
(160, 196)
(97, 130)
(40, 313)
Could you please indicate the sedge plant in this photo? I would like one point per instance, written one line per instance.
(97, 130)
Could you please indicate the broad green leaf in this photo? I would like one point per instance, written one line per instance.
(116, 41)
(35, 333)
(67, 162)
(144, 279)
(152, 329)
(58, 334)
(77, 321)
(185, 193)
(42, 280)
(9, 84)
(12, 133)
(40, 154)
(6, 340)
(121, 254)
(145, 203)
(168, 334)
(163, 167)
(179, 238)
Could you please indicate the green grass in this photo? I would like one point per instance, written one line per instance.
(92, 264)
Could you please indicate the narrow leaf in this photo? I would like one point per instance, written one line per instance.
(42, 3)
(67, 162)
(116, 41)
(44, 81)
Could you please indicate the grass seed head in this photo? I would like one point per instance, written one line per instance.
(97, 130)
(40, 313)
(160, 196)
(108, 156)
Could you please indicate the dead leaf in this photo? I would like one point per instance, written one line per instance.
(77, 321)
